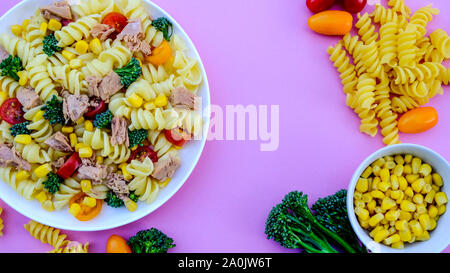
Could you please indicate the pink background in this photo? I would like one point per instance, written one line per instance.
(256, 52)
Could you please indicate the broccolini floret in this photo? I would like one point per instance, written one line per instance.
(331, 212)
(133, 196)
(10, 66)
(54, 111)
(292, 224)
(113, 200)
(136, 137)
(150, 241)
(129, 73)
(52, 183)
(20, 129)
(50, 45)
(103, 120)
(165, 26)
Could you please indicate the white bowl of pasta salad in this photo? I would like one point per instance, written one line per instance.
(104, 111)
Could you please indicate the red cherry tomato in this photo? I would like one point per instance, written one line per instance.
(11, 111)
(142, 152)
(100, 108)
(418, 120)
(66, 22)
(177, 136)
(354, 6)
(116, 20)
(70, 166)
(319, 5)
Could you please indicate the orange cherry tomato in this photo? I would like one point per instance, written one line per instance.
(418, 120)
(331, 22)
(86, 213)
(117, 244)
(160, 55)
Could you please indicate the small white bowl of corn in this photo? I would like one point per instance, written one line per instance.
(397, 200)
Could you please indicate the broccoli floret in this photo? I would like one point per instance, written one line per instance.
(292, 224)
(50, 45)
(129, 73)
(150, 241)
(20, 129)
(10, 66)
(113, 200)
(331, 212)
(136, 137)
(133, 196)
(103, 120)
(54, 111)
(165, 26)
(52, 183)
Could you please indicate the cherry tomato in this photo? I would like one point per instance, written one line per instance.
(117, 244)
(142, 152)
(331, 22)
(100, 108)
(354, 6)
(87, 213)
(177, 136)
(160, 55)
(11, 111)
(116, 20)
(70, 166)
(418, 120)
(319, 5)
(66, 22)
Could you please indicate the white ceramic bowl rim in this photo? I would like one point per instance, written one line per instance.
(439, 238)
(189, 155)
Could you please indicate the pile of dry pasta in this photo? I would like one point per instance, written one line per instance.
(394, 70)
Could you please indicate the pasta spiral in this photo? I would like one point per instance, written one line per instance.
(71, 79)
(18, 47)
(78, 248)
(388, 43)
(160, 144)
(406, 47)
(69, 188)
(76, 31)
(370, 59)
(191, 121)
(365, 91)
(388, 122)
(32, 33)
(9, 85)
(138, 168)
(40, 129)
(40, 79)
(117, 56)
(46, 234)
(421, 18)
(142, 88)
(24, 187)
(154, 119)
(33, 153)
(154, 74)
(145, 187)
(441, 40)
(355, 48)
(1, 223)
(369, 122)
(400, 6)
(416, 89)
(366, 29)
(382, 15)
(5, 133)
(89, 7)
(118, 105)
(420, 72)
(116, 153)
(403, 104)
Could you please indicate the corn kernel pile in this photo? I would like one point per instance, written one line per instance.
(398, 199)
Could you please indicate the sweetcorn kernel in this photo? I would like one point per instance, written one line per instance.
(78, 146)
(433, 211)
(440, 198)
(22, 139)
(16, 30)
(73, 139)
(135, 100)
(362, 213)
(68, 55)
(21, 175)
(437, 179)
(161, 100)
(67, 129)
(392, 239)
(362, 185)
(85, 152)
(380, 235)
(367, 172)
(408, 206)
(43, 170)
(131, 205)
(88, 126)
(90, 202)
(74, 209)
(43, 28)
(81, 47)
(374, 220)
(398, 245)
(86, 185)
(38, 116)
(95, 46)
(41, 196)
(54, 25)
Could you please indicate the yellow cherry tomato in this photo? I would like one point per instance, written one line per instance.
(331, 22)
(160, 55)
(418, 120)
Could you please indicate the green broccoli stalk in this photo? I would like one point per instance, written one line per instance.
(10, 66)
(136, 137)
(129, 73)
(52, 183)
(20, 129)
(103, 120)
(293, 225)
(50, 45)
(150, 241)
(331, 212)
(54, 111)
(165, 26)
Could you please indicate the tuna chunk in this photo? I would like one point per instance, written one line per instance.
(95, 173)
(93, 82)
(74, 106)
(182, 98)
(28, 98)
(165, 168)
(58, 163)
(117, 183)
(119, 128)
(57, 10)
(102, 31)
(133, 35)
(109, 86)
(3, 54)
(59, 142)
(10, 158)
